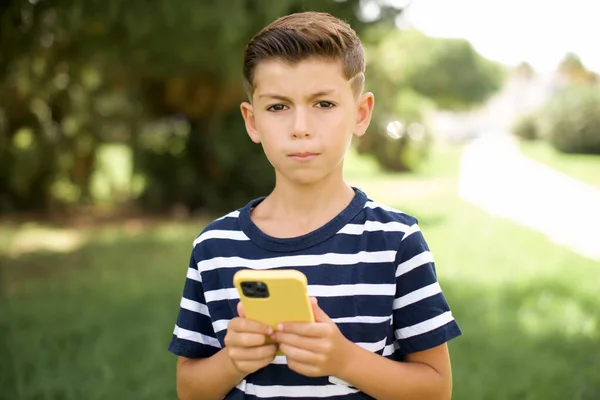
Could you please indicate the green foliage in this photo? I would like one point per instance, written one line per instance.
(572, 69)
(448, 71)
(573, 120)
(406, 146)
(527, 127)
(525, 70)
(216, 169)
(412, 74)
(455, 75)
(399, 155)
(76, 76)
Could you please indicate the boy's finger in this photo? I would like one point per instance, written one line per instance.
(240, 310)
(255, 353)
(298, 341)
(299, 354)
(250, 326)
(320, 315)
(315, 330)
(246, 339)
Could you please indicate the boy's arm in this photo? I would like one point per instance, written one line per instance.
(206, 378)
(204, 369)
(245, 352)
(425, 375)
(320, 349)
(423, 324)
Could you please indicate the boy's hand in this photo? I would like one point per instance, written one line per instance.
(314, 349)
(245, 343)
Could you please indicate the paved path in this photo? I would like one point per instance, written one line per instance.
(498, 178)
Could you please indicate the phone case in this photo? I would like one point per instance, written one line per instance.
(287, 299)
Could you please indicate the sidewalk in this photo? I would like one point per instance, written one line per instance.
(498, 178)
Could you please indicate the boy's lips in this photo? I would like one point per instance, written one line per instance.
(304, 156)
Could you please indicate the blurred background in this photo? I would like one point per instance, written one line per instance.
(121, 137)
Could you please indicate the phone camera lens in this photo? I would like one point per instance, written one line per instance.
(255, 289)
(261, 289)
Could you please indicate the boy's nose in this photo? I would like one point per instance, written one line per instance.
(301, 124)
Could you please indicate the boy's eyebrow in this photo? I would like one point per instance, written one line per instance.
(311, 96)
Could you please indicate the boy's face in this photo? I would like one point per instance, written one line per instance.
(305, 115)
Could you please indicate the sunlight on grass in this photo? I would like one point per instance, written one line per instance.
(584, 167)
(38, 238)
(562, 315)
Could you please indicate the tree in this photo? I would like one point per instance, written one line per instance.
(455, 75)
(572, 69)
(525, 70)
(411, 75)
(163, 80)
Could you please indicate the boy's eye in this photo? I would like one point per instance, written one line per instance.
(276, 107)
(325, 104)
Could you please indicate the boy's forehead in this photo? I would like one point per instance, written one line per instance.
(306, 75)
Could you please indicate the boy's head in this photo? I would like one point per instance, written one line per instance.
(304, 75)
(302, 36)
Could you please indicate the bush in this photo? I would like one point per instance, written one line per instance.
(527, 127)
(398, 151)
(406, 146)
(573, 120)
(213, 167)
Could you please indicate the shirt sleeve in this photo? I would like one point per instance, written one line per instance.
(194, 335)
(422, 318)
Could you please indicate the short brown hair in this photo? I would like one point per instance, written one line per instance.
(297, 37)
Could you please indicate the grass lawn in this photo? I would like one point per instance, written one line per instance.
(585, 167)
(91, 317)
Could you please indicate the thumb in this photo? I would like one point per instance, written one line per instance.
(240, 310)
(318, 313)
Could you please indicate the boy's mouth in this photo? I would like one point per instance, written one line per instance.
(306, 156)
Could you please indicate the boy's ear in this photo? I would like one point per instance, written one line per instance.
(365, 111)
(249, 120)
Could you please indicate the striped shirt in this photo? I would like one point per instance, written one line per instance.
(369, 267)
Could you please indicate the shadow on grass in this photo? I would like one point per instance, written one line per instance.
(99, 328)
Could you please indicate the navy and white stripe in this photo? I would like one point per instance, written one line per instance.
(370, 268)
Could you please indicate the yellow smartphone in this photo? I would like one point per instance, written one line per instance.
(274, 296)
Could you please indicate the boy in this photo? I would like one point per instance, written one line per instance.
(382, 322)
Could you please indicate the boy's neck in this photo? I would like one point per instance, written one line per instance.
(313, 204)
